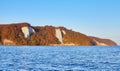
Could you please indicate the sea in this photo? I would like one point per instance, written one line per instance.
(59, 58)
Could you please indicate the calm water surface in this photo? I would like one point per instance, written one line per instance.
(35, 58)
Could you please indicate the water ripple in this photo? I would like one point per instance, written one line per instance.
(59, 58)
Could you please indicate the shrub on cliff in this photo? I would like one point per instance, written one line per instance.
(76, 38)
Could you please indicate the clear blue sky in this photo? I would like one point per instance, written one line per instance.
(100, 18)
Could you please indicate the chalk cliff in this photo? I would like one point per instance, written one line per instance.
(27, 31)
(101, 42)
(25, 34)
(60, 34)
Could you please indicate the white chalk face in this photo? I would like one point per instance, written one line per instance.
(27, 31)
(63, 32)
(99, 43)
(59, 35)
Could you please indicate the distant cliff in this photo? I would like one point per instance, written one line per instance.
(25, 34)
(101, 42)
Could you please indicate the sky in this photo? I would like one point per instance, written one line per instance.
(100, 18)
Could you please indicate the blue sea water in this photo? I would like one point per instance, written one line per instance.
(62, 58)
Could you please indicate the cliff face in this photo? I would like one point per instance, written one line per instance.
(102, 42)
(59, 35)
(25, 34)
(27, 31)
(11, 34)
